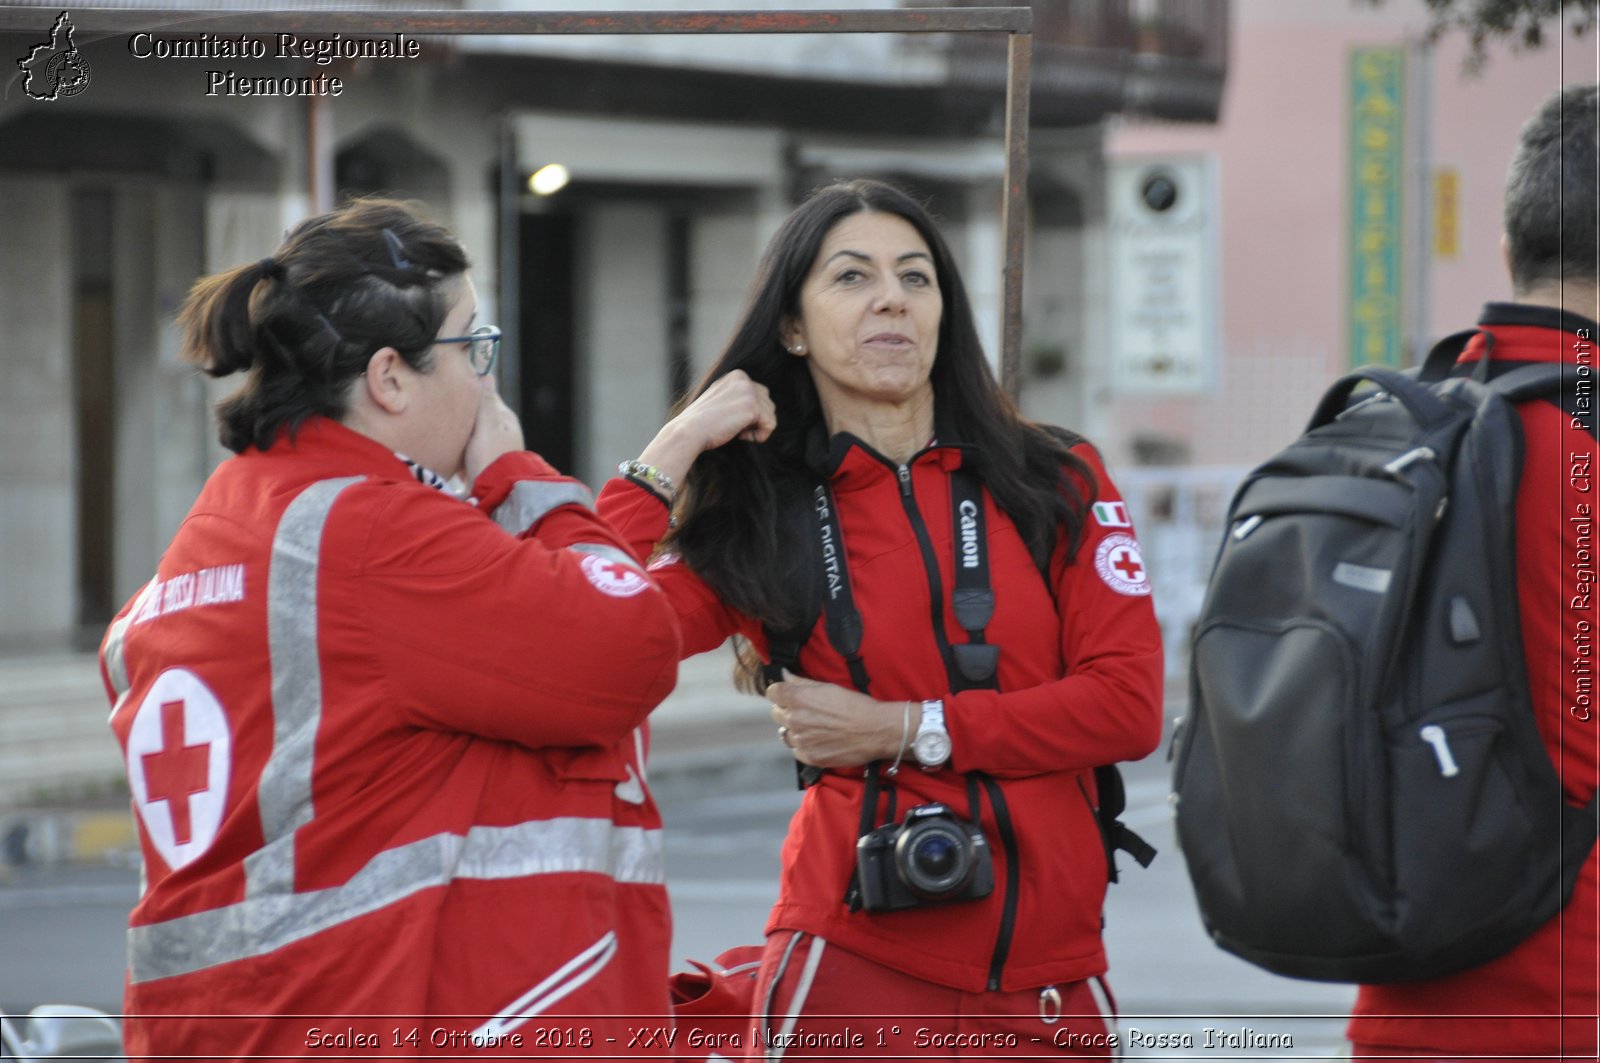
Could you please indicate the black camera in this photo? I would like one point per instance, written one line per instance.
(930, 857)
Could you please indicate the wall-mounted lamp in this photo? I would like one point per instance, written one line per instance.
(549, 179)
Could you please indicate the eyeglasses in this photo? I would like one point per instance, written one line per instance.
(482, 347)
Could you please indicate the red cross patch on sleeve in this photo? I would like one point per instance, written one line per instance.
(613, 577)
(1120, 563)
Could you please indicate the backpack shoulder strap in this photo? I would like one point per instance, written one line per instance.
(1441, 360)
(1555, 382)
(1113, 801)
(1552, 381)
(1531, 381)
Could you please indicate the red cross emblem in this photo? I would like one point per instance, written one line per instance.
(1125, 562)
(176, 771)
(179, 751)
(1120, 564)
(616, 578)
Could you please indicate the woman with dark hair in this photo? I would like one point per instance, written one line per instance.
(385, 759)
(920, 579)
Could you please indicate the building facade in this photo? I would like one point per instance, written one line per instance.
(1325, 99)
(135, 159)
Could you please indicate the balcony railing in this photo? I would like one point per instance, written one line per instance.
(1159, 58)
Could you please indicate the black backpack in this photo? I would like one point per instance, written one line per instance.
(1362, 794)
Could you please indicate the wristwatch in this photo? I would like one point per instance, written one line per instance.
(931, 747)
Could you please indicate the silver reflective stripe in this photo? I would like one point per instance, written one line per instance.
(116, 639)
(284, 791)
(264, 922)
(609, 552)
(572, 975)
(530, 500)
(797, 1000)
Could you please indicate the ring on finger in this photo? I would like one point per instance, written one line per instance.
(783, 736)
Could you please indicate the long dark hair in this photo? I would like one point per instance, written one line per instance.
(305, 321)
(737, 525)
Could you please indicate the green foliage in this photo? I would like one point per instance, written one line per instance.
(1523, 24)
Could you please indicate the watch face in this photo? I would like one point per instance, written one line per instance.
(932, 748)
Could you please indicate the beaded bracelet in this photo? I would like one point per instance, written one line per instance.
(650, 475)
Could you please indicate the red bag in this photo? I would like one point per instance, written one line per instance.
(712, 1005)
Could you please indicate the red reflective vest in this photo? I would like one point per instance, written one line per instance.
(1541, 997)
(386, 754)
(1080, 679)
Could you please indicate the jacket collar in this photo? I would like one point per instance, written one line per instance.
(1549, 317)
(321, 437)
(826, 455)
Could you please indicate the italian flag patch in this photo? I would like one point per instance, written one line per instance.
(1112, 515)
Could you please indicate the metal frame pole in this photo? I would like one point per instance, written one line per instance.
(1014, 207)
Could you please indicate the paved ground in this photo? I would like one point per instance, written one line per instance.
(726, 788)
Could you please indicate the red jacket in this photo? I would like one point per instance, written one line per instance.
(1080, 685)
(1541, 998)
(386, 757)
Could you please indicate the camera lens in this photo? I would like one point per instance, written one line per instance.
(934, 858)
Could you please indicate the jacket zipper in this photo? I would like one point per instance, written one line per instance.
(929, 561)
(1008, 839)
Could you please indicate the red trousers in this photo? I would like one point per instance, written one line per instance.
(817, 1001)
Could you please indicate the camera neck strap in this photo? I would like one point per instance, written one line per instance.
(841, 619)
(876, 785)
(971, 665)
(976, 663)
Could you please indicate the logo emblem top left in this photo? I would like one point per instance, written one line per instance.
(179, 758)
(55, 69)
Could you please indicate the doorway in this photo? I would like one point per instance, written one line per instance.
(546, 267)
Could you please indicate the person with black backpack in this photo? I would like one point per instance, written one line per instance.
(1540, 997)
(948, 609)
(1386, 774)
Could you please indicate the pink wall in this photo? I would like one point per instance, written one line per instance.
(1475, 128)
(1280, 148)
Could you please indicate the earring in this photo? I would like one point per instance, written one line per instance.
(798, 348)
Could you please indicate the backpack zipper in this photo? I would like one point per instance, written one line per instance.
(1411, 457)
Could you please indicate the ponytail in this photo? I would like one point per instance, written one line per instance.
(217, 335)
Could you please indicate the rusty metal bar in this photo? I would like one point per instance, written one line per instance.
(899, 20)
(1014, 206)
(1015, 21)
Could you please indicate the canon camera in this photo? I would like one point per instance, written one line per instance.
(930, 857)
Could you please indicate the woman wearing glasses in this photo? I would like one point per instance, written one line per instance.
(385, 754)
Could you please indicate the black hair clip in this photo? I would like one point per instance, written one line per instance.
(323, 318)
(397, 250)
